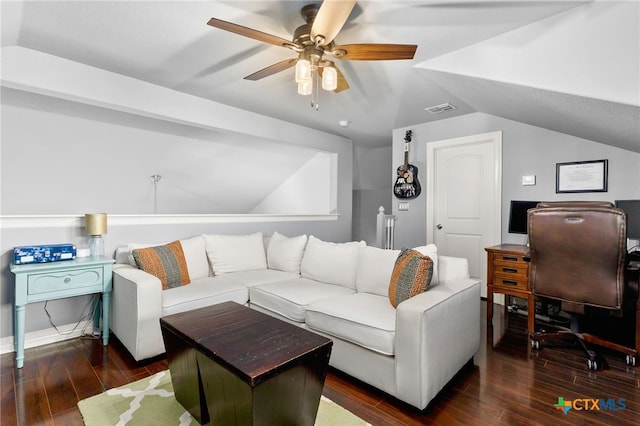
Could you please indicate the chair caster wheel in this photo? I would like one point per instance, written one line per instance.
(631, 360)
(592, 364)
(535, 344)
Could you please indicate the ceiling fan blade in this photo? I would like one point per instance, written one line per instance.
(374, 52)
(248, 32)
(342, 82)
(272, 69)
(330, 19)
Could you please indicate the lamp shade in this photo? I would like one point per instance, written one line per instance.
(96, 223)
(330, 78)
(305, 88)
(303, 70)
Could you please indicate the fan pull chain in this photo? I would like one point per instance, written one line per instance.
(315, 91)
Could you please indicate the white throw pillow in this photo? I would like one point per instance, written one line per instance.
(432, 251)
(194, 253)
(285, 254)
(235, 253)
(331, 263)
(375, 267)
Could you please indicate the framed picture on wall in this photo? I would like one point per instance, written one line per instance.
(582, 176)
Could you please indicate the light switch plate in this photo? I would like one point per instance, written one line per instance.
(529, 180)
(403, 206)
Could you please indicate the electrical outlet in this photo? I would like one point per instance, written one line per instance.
(403, 206)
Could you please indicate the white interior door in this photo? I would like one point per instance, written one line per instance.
(464, 198)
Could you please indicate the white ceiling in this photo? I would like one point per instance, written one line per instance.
(168, 43)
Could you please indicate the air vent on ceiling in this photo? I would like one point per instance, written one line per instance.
(439, 109)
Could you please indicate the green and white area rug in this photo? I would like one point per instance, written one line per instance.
(151, 402)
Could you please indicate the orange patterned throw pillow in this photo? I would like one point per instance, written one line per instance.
(411, 276)
(167, 262)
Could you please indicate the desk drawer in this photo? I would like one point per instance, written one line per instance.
(507, 257)
(521, 269)
(62, 281)
(511, 281)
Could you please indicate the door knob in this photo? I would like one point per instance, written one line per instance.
(439, 226)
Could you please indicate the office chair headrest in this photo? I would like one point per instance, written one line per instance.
(545, 204)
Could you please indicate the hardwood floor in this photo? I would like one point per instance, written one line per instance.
(507, 383)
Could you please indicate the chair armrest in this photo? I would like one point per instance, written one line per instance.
(136, 309)
(437, 333)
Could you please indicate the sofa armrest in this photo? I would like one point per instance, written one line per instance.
(437, 333)
(136, 309)
(451, 268)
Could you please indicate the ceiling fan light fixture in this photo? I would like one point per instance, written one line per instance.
(303, 70)
(312, 41)
(329, 77)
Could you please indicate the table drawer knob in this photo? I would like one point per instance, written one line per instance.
(510, 258)
(508, 282)
(67, 280)
(510, 270)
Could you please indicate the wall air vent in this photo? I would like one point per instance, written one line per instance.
(439, 109)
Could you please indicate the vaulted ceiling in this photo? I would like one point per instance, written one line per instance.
(569, 66)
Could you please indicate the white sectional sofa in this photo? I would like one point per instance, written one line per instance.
(340, 290)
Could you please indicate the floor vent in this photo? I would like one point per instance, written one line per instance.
(439, 109)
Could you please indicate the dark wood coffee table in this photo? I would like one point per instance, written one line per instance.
(233, 365)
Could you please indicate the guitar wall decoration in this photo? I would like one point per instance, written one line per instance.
(407, 185)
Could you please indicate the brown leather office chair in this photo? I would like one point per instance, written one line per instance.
(578, 258)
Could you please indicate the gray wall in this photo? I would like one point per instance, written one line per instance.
(371, 190)
(526, 150)
(128, 126)
(109, 156)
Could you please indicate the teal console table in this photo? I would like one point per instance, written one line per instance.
(39, 282)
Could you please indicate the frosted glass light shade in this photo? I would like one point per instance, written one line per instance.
(305, 87)
(329, 78)
(303, 70)
(96, 223)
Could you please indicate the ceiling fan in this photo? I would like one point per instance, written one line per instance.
(314, 42)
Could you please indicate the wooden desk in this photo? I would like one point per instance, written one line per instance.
(508, 273)
(633, 277)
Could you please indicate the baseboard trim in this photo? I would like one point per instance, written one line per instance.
(46, 336)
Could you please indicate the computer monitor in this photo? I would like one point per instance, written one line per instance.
(518, 216)
(632, 209)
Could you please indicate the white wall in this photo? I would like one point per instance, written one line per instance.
(308, 190)
(533, 56)
(527, 150)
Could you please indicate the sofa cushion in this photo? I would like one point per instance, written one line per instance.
(331, 263)
(365, 319)
(261, 276)
(194, 252)
(432, 251)
(285, 254)
(203, 292)
(234, 253)
(291, 298)
(411, 276)
(373, 273)
(166, 262)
